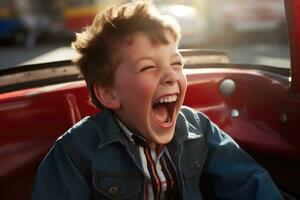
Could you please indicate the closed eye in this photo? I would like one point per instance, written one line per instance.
(177, 65)
(146, 68)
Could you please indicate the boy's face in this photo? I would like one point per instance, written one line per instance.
(150, 87)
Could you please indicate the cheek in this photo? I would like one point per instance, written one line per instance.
(136, 90)
(144, 89)
(182, 81)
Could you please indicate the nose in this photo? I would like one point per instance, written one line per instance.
(169, 76)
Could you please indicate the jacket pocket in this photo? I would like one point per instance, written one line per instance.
(192, 167)
(193, 158)
(116, 185)
(192, 163)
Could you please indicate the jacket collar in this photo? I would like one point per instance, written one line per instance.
(110, 132)
(108, 129)
(185, 130)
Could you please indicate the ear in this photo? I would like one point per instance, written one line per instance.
(107, 97)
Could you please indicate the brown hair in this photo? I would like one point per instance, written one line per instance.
(98, 44)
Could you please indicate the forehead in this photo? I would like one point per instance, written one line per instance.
(140, 44)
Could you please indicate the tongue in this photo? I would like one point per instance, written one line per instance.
(160, 112)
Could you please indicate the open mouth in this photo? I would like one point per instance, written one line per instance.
(164, 109)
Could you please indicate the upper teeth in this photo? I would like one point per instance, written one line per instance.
(167, 99)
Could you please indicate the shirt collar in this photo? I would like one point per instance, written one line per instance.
(129, 135)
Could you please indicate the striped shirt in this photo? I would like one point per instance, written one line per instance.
(157, 166)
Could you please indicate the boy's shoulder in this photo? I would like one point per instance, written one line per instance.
(91, 130)
(192, 116)
(191, 123)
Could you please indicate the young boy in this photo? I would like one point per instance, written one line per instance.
(143, 144)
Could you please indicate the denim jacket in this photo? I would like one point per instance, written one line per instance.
(95, 160)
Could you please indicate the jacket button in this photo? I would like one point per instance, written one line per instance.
(114, 191)
(198, 164)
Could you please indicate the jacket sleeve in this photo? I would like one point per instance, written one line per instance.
(230, 172)
(62, 174)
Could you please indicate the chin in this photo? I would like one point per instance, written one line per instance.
(164, 138)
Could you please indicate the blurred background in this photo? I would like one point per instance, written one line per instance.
(250, 31)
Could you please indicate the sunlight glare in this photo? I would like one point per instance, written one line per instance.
(182, 11)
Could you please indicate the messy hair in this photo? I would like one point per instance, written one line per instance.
(98, 44)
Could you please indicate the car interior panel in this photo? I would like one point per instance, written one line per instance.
(257, 105)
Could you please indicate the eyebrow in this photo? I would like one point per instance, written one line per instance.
(175, 55)
(143, 58)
